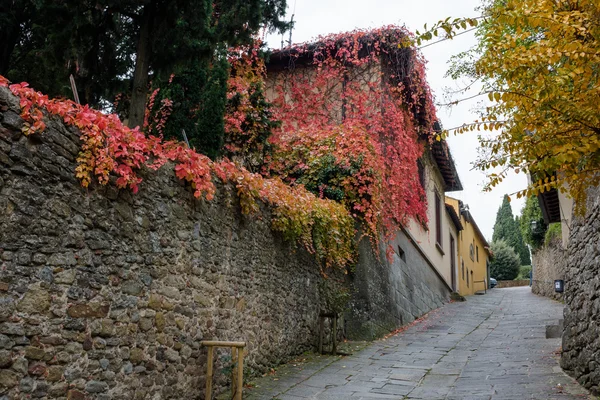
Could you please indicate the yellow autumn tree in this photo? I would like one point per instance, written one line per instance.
(539, 61)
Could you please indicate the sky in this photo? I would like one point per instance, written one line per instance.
(320, 17)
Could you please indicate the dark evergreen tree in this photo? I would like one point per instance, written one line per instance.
(505, 263)
(48, 40)
(507, 228)
(113, 46)
(187, 40)
(533, 226)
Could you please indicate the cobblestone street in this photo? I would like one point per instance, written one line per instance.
(489, 347)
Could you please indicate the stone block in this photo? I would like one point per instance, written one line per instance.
(55, 373)
(96, 387)
(6, 359)
(92, 310)
(35, 301)
(8, 379)
(35, 353)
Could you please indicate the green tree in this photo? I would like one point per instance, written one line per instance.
(126, 46)
(533, 226)
(42, 42)
(187, 39)
(505, 262)
(507, 228)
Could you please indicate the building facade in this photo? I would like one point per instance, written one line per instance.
(418, 275)
(473, 252)
(438, 238)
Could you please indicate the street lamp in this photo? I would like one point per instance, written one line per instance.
(533, 230)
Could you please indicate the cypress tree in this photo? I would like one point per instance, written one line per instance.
(507, 228)
(188, 41)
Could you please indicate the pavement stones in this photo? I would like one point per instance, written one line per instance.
(489, 347)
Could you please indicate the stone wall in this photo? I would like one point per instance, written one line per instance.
(505, 284)
(581, 337)
(549, 263)
(107, 295)
(390, 292)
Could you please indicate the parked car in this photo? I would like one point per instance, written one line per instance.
(493, 283)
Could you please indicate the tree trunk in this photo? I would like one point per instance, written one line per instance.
(140, 76)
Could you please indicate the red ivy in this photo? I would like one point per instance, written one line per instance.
(109, 148)
(362, 99)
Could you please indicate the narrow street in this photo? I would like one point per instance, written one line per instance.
(489, 347)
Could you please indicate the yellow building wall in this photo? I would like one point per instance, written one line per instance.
(473, 255)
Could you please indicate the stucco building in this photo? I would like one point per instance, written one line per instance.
(473, 252)
(423, 268)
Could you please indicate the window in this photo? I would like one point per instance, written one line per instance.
(401, 254)
(421, 170)
(438, 219)
(467, 277)
(477, 253)
(471, 251)
(463, 270)
(472, 277)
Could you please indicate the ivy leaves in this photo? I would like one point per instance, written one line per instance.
(352, 124)
(112, 151)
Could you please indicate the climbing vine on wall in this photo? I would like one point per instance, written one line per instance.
(110, 150)
(341, 138)
(356, 113)
(249, 117)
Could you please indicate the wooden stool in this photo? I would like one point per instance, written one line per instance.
(237, 373)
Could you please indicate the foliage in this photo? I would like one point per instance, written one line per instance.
(249, 119)
(532, 213)
(351, 122)
(507, 228)
(553, 235)
(539, 62)
(449, 26)
(111, 150)
(336, 296)
(44, 41)
(198, 96)
(100, 43)
(191, 36)
(524, 272)
(505, 263)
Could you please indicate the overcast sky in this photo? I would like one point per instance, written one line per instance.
(320, 17)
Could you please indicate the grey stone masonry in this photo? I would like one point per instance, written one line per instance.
(549, 264)
(492, 346)
(107, 295)
(392, 291)
(581, 338)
